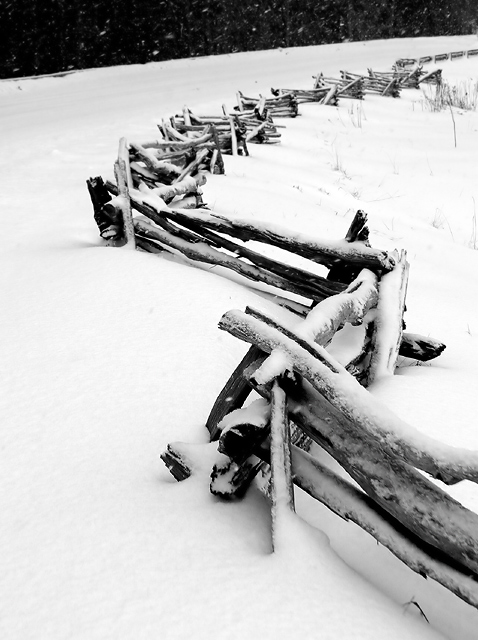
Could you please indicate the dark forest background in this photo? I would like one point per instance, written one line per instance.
(46, 36)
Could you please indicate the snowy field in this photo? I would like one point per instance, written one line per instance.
(107, 355)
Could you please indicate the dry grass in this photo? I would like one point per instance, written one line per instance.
(443, 96)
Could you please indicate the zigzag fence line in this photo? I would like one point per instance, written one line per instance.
(306, 395)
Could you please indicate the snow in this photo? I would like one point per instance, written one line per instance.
(108, 355)
(257, 413)
(354, 301)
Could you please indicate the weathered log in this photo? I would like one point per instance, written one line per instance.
(186, 116)
(238, 442)
(242, 430)
(323, 253)
(282, 485)
(351, 504)
(233, 137)
(153, 212)
(219, 160)
(176, 145)
(239, 101)
(444, 462)
(302, 282)
(176, 462)
(125, 183)
(99, 194)
(202, 252)
(188, 185)
(409, 79)
(295, 275)
(140, 173)
(388, 321)
(172, 133)
(196, 119)
(151, 208)
(321, 323)
(303, 95)
(148, 246)
(358, 365)
(331, 97)
(327, 253)
(324, 320)
(276, 364)
(391, 89)
(230, 480)
(282, 106)
(246, 432)
(352, 89)
(241, 134)
(418, 504)
(358, 231)
(433, 77)
(166, 171)
(374, 84)
(108, 218)
(420, 347)
(213, 161)
(181, 157)
(255, 131)
(192, 166)
(234, 393)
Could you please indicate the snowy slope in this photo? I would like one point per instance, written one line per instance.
(108, 354)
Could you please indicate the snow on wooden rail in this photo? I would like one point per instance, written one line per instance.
(283, 105)
(166, 225)
(302, 384)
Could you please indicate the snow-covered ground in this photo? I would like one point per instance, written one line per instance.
(107, 355)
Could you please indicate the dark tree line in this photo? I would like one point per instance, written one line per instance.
(46, 36)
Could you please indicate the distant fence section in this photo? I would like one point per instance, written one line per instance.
(439, 57)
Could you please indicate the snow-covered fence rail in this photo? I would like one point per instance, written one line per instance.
(208, 238)
(305, 390)
(114, 216)
(167, 225)
(374, 447)
(229, 132)
(375, 84)
(385, 83)
(284, 105)
(326, 94)
(404, 78)
(169, 170)
(344, 88)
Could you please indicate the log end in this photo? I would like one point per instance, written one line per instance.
(230, 481)
(176, 463)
